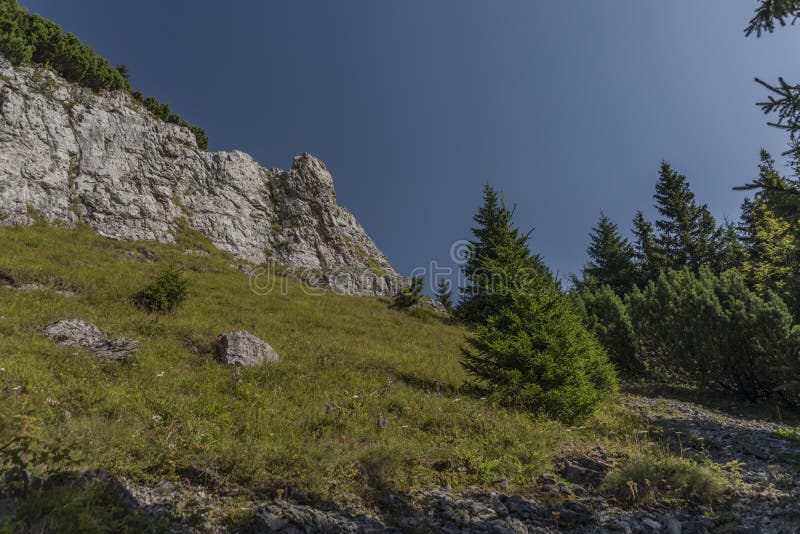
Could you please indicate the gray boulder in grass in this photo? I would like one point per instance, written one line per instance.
(244, 349)
(74, 332)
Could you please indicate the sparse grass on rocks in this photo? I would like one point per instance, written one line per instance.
(647, 478)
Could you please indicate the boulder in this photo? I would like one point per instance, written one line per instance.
(74, 332)
(244, 349)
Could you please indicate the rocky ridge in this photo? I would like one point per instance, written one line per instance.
(68, 155)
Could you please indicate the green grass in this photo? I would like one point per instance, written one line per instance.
(308, 422)
(91, 507)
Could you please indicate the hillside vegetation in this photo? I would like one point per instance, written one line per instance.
(308, 422)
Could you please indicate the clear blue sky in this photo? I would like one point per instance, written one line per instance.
(568, 107)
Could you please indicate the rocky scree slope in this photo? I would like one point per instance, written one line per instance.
(68, 155)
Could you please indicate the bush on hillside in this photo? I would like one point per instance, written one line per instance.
(408, 296)
(712, 330)
(165, 293)
(444, 295)
(607, 318)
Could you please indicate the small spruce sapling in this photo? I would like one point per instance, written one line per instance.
(164, 293)
(409, 296)
(444, 295)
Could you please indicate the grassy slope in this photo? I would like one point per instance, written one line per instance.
(267, 428)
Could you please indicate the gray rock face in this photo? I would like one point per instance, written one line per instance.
(77, 333)
(245, 349)
(69, 155)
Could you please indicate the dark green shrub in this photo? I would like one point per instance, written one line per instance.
(607, 318)
(14, 42)
(165, 293)
(713, 331)
(536, 354)
(408, 296)
(15, 47)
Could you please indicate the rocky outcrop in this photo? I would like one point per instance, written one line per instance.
(74, 332)
(69, 155)
(244, 349)
(77, 333)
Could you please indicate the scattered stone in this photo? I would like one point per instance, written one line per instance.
(111, 485)
(432, 304)
(77, 333)
(282, 516)
(165, 487)
(119, 349)
(244, 349)
(193, 252)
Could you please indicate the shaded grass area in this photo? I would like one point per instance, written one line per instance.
(307, 425)
(89, 507)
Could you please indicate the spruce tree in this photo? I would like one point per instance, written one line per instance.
(610, 258)
(409, 296)
(529, 346)
(772, 12)
(535, 354)
(687, 233)
(496, 246)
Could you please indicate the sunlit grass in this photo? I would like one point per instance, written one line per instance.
(307, 422)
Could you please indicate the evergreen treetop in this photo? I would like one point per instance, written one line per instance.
(688, 235)
(610, 257)
(497, 256)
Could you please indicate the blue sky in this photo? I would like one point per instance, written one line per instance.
(568, 107)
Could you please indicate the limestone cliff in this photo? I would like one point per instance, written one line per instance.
(68, 155)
